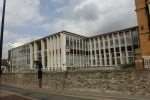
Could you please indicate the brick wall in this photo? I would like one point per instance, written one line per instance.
(143, 23)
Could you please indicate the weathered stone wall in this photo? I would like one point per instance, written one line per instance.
(128, 82)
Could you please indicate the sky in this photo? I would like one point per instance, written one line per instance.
(27, 20)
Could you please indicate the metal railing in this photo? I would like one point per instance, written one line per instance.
(146, 62)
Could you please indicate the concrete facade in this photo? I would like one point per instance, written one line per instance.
(65, 49)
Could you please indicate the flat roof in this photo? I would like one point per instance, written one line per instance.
(70, 33)
(126, 29)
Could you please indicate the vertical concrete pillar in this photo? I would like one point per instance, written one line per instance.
(35, 51)
(53, 62)
(100, 55)
(43, 53)
(89, 57)
(104, 49)
(120, 51)
(73, 50)
(48, 59)
(79, 55)
(58, 51)
(91, 54)
(54, 45)
(76, 57)
(83, 53)
(109, 51)
(94, 40)
(114, 46)
(51, 52)
(69, 52)
(132, 45)
(63, 50)
(31, 56)
(126, 47)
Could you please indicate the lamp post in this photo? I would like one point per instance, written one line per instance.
(1, 36)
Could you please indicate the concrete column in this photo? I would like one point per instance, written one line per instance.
(76, 53)
(82, 55)
(126, 50)
(114, 46)
(50, 52)
(51, 48)
(43, 53)
(79, 55)
(121, 57)
(56, 46)
(63, 50)
(70, 51)
(109, 50)
(54, 50)
(100, 55)
(95, 51)
(35, 52)
(58, 51)
(48, 60)
(31, 56)
(80, 48)
(56, 65)
(73, 50)
(132, 45)
(91, 55)
(85, 57)
(104, 50)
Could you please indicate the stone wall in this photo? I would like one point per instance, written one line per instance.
(128, 82)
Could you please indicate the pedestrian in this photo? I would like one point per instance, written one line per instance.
(40, 74)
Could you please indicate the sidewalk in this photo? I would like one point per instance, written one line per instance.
(46, 94)
(5, 95)
(36, 94)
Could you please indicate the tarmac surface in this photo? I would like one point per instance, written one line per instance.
(14, 93)
(5, 95)
(8, 92)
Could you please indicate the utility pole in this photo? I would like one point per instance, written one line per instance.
(1, 36)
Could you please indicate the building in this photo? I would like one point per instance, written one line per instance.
(143, 18)
(65, 49)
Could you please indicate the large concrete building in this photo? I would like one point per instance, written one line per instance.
(65, 49)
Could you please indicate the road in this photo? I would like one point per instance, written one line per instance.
(13, 93)
(5, 95)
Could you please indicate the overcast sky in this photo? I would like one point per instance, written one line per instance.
(30, 19)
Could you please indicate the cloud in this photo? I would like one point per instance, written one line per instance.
(92, 16)
(86, 17)
(21, 12)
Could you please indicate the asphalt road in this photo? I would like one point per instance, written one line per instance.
(14, 93)
(21, 94)
(7, 95)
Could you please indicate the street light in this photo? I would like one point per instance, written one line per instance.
(1, 37)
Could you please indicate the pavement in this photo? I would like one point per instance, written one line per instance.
(5, 95)
(8, 92)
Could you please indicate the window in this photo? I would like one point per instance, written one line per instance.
(116, 42)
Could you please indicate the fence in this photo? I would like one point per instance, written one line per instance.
(146, 62)
(91, 68)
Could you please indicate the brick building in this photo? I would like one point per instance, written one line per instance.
(143, 16)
